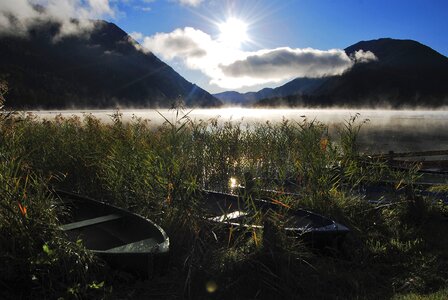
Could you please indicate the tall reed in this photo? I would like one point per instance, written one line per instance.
(160, 171)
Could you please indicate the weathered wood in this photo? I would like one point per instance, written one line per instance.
(392, 154)
(90, 222)
(136, 247)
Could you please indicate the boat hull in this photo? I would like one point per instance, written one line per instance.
(314, 229)
(124, 240)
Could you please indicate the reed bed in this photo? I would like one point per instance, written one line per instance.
(158, 172)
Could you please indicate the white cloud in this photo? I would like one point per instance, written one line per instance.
(188, 44)
(362, 56)
(99, 7)
(228, 67)
(143, 8)
(138, 36)
(17, 15)
(193, 3)
(283, 63)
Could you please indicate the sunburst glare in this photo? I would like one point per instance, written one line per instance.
(233, 32)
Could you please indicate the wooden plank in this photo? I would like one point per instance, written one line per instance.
(149, 245)
(392, 154)
(90, 222)
(229, 216)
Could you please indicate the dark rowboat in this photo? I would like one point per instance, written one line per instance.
(430, 163)
(232, 210)
(384, 192)
(123, 239)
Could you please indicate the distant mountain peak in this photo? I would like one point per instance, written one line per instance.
(400, 52)
(406, 74)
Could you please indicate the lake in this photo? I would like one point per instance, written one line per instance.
(397, 130)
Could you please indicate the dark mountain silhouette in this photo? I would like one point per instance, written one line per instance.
(249, 98)
(298, 86)
(406, 73)
(103, 69)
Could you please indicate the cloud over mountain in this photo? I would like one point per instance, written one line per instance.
(188, 44)
(229, 67)
(284, 63)
(16, 16)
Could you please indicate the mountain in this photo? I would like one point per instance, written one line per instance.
(101, 69)
(298, 86)
(235, 98)
(407, 73)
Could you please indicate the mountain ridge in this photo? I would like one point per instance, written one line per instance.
(103, 69)
(407, 73)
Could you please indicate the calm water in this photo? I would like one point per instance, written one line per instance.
(397, 130)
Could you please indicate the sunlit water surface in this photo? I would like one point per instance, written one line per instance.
(397, 130)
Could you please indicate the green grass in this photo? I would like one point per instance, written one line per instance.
(440, 295)
(397, 249)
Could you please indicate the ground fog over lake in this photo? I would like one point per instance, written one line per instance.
(384, 130)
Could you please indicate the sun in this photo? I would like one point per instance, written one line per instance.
(233, 32)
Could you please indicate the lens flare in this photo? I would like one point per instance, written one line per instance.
(233, 32)
(211, 286)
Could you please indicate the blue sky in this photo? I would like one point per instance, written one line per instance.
(246, 45)
(321, 24)
(318, 24)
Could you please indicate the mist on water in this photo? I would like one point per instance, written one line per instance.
(384, 130)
